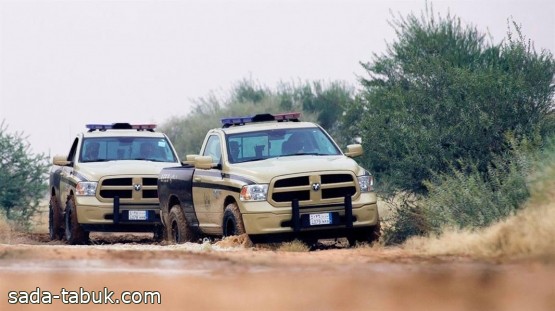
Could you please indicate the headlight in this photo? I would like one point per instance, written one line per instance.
(254, 193)
(366, 183)
(86, 188)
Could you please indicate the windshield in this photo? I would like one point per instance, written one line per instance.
(254, 146)
(101, 149)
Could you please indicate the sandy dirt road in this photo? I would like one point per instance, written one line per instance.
(231, 277)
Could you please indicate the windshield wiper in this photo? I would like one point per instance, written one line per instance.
(252, 160)
(98, 160)
(302, 153)
(148, 159)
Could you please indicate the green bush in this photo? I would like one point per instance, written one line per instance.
(22, 178)
(466, 197)
(442, 95)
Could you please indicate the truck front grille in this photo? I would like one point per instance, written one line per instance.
(130, 188)
(314, 189)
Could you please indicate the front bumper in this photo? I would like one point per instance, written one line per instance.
(345, 217)
(116, 216)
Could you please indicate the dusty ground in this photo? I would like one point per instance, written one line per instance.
(228, 276)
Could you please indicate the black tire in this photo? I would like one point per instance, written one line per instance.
(232, 223)
(159, 233)
(179, 230)
(74, 233)
(55, 220)
(369, 235)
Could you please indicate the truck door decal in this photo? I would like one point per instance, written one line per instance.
(216, 186)
(224, 175)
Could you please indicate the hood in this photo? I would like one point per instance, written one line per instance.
(95, 171)
(263, 171)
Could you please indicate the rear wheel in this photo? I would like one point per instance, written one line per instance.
(179, 229)
(55, 220)
(233, 221)
(74, 232)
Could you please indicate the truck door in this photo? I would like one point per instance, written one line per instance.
(207, 190)
(67, 174)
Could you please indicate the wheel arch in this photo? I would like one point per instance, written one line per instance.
(174, 200)
(229, 200)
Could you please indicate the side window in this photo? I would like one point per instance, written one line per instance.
(73, 150)
(213, 149)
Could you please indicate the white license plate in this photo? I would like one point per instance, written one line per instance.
(319, 219)
(138, 215)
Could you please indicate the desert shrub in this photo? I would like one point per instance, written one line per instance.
(406, 218)
(530, 232)
(467, 197)
(22, 178)
(5, 229)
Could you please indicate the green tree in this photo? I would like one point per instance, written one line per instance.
(22, 177)
(318, 102)
(441, 95)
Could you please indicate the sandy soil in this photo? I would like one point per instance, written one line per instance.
(230, 275)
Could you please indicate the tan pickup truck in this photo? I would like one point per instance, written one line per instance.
(274, 178)
(108, 182)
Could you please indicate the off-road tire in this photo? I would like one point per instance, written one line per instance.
(55, 220)
(179, 230)
(160, 234)
(370, 235)
(232, 223)
(74, 233)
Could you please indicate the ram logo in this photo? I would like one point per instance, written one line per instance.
(315, 186)
(137, 187)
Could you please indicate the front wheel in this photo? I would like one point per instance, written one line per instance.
(179, 229)
(233, 221)
(74, 232)
(55, 220)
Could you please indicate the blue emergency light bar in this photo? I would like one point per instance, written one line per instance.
(280, 117)
(121, 126)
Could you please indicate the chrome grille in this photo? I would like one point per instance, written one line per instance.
(124, 188)
(332, 187)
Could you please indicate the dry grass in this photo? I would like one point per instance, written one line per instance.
(235, 241)
(6, 230)
(293, 246)
(531, 232)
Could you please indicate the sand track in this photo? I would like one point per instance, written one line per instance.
(228, 276)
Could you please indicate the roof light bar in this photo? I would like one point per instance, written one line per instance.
(236, 120)
(143, 126)
(287, 116)
(120, 126)
(100, 127)
(290, 116)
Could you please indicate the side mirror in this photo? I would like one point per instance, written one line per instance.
(203, 162)
(190, 159)
(354, 151)
(61, 160)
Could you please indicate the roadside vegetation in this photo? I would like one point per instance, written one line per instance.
(529, 232)
(22, 180)
(5, 230)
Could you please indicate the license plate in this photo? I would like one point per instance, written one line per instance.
(138, 215)
(319, 219)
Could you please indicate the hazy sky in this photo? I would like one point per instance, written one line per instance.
(67, 63)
